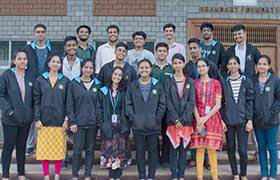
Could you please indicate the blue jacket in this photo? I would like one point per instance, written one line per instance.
(81, 103)
(14, 110)
(50, 102)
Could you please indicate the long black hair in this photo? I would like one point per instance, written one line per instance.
(123, 82)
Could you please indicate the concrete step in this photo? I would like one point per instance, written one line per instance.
(222, 157)
(34, 172)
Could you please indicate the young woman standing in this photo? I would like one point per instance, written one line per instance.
(208, 123)
(114, 126)
(266, 116)
(50, 116)
(145, 107)
(16, 104)
(180, 99)
(82, 113)
(237, 114)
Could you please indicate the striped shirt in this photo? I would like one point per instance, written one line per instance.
(235, 86)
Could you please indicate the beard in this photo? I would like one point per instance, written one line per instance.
(83, 39)
(206, 37)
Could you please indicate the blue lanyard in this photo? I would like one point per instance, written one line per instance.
(114, 103)
(207, 97)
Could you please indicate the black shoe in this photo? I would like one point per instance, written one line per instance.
(29, 151)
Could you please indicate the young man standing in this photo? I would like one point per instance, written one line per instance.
(139, 53)
(247, 53)
(161, 70)
(174, 47)
(37, 53)
(85, 49)
(195, 51)
(106, 52)
(121, 52)
(71, 63)
(211, 49)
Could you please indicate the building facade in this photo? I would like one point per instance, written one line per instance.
(62, 17)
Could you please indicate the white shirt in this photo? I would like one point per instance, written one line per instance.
(105, 53)
(175, 48)
(240, 51)
(71, 72)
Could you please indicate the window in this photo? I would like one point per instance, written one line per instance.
(4, 53)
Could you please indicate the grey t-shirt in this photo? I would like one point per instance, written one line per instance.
(145, 89)
(42, 54)
(133, 57)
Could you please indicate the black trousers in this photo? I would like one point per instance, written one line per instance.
(115, 174)
(166, 145)
(242, 141)
(177, 159)
(83, 138)
(152, 144)
(14, 136)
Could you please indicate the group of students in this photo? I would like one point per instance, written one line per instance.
(197, 112)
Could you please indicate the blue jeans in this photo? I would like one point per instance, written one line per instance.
(177, 160)
(267, 140)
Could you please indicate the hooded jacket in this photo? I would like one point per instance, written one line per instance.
(14, 110)
(82, 103)
(267, 103)
(50, 102)
(145, 116)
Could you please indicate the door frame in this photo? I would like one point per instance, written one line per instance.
(192, 22)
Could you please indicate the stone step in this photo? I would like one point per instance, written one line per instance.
(222, 157)
(34, 172)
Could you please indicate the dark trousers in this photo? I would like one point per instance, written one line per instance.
(83, 138)
(267, 141)
(14, 136)
(115, 174)
(177, 160)
(242, 140)
(166, 145)
(152, 142)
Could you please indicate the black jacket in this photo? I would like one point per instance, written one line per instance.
(105, 73)
(32, 65)
(50, 102)
(267, 103)
(179, 108)
(105, 111)
(216, 54)
(252, 56)
(145, 116)
(81, 103)
(14, 110)
(237, 113)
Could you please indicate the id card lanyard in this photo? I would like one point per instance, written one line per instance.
(206, 97)
(114, 106)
